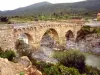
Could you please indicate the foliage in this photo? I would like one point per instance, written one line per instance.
(42, 65)
(4, 19)
(92, 71)
(86, 30)
(96, 30)
(68, 71)
(85, 8)
(53, 70)
(9, 54)
(71, 62)
(71, 58)
(49, 69)
(22, 73)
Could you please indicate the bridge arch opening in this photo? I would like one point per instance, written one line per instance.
(23, 39)
(50, 38)
(69, 35)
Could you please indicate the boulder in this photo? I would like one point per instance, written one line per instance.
(24, 65)
(6, 71)
(24, 60)
(6, 67)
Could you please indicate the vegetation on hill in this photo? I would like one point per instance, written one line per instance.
(9, 54)
(81, 8)
(46, 11)
(4, 20)
(54, 16)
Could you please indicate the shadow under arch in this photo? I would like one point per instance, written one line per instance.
(69, 35)
(81, 34)
(50, 38)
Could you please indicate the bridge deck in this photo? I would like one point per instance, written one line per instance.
(40, 23)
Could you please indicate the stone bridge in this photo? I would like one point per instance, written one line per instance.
(36, 30)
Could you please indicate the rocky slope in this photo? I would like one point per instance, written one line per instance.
(23, 66)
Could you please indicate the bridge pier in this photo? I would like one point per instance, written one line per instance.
(75, 36)
(62, 41)
(36, 45)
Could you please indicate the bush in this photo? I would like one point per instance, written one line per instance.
(9, 54)
(53, 70)
(22, 73)
(42, 65)
(68, 71)
(58, 69)
(71, 58)
(49, 69)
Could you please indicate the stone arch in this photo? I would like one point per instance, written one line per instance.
(23, 39)
(28, 36)
(69, 35)
(49, 37)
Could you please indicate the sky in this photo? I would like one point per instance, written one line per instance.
(14, 4)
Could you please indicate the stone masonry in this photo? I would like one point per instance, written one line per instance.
(35, 31)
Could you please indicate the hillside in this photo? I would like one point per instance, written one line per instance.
(46, 7)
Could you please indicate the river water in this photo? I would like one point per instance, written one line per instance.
(93, 60)
(46, 55)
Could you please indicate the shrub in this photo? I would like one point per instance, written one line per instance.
(42, 65)
(68, 71)
(4, 19)
(22, 73)
(71, 58)
(9, 54)
(49, 69)
(53, 70)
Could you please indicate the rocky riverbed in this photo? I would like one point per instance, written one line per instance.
(91, 43)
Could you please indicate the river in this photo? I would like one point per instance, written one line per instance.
(46, 53)
(93, 60)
